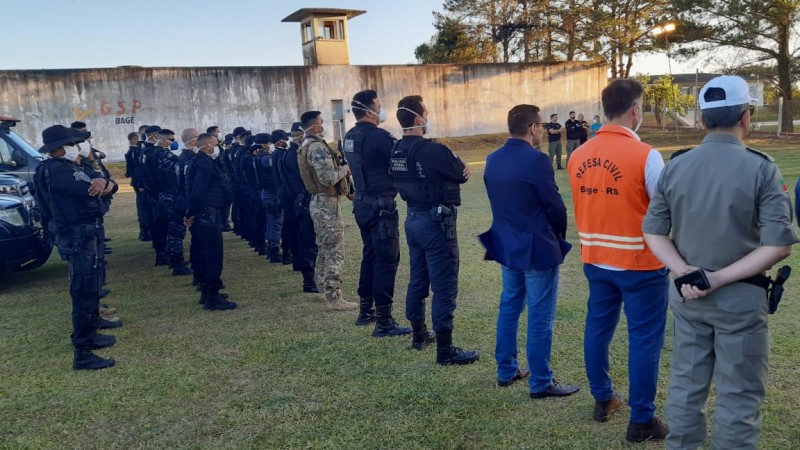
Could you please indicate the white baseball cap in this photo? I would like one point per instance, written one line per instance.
(736, 92)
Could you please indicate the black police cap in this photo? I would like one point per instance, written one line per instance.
(279, 135)
(152, 129)
(261, 138)
(295, 127)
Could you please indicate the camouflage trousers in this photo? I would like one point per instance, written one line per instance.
(329, 228)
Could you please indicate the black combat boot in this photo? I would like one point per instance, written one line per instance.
(84, 359)
(104, 324)
(366, 314)
(179, 268)
(385, 325)
(102, 341)
(144, 234)
(162, 259)
(287, 259)
(447, 354)
(274, 255)
(215, 302)
(421, 337)
(309, 285)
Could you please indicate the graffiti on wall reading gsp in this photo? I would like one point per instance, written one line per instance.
(123, 111)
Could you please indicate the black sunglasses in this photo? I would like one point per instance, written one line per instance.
(749, 108)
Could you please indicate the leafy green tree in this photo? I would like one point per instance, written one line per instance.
(453, 43)
(661, 93)
(764, 29)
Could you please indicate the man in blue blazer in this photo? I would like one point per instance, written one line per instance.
(529, 223)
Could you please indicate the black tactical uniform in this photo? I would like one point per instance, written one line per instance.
(368, 150)
(74, 217)
(148, 183)
(143, 209)
(270, 203)
(208, 195)
(254, 216)
(304, 252)
(427, 175)
(284, 197)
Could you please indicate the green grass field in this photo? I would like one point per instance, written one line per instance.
(281, 372)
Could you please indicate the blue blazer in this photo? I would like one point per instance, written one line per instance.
(529, 219)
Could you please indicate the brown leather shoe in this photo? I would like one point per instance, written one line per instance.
(520, 375)
(604, 410)
(654, 430)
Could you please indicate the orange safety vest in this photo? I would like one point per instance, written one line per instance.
(610, 199)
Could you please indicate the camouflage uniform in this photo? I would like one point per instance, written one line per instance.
(328, 174)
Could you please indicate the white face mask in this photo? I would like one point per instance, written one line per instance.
(83, 150)
(72, 152)
(426, 129)
(215, 153)
(382, 116)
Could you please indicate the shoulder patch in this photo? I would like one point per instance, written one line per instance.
(349, 145)
(319, 156)
(79, 175)
(677, 153)
(761, 154)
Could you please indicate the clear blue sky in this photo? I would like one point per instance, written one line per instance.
(53, 34)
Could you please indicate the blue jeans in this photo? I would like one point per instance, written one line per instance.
(644, 295)
(538, 289)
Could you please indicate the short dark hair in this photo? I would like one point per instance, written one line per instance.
(133, 135)
(521, 117)
(203, 139)
(412, 102)
(308, 117)
(361, 101)
(166, 132)
(572, 112)
(211, 129)
(619, 96)
(723, 117)
(78, 125)
(553, 115)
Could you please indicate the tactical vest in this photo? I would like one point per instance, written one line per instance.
(146, 175)
(61, 208)
(167, 165)
(414, 188)
(309, 176)
(370, 179)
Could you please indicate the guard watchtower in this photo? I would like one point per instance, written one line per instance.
(324, 34)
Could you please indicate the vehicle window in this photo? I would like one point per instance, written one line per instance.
(10, 157)
(5, 153)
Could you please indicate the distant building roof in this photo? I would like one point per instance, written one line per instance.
(691, 78)
(303, 13)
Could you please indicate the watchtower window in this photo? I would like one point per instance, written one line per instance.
(308, 32)
(332, 29)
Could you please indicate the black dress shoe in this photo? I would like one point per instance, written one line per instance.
(520, 375)
(107, 239)
(556, 389)
(108, 251)
(654, 430)
(103, 293)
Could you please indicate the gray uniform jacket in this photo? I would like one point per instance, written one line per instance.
(721, 201)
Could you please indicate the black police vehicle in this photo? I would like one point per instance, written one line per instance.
(24, 244)
(17, 156)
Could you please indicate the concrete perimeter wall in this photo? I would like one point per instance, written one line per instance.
(462, 99)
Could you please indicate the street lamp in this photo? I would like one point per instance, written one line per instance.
(665, 29)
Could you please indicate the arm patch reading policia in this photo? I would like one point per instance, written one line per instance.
(677, 153)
